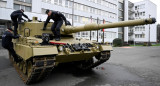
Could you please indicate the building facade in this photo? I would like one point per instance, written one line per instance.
(145, 33)
(78, 12)
(140, 10)
(109, 14)
(125, 13)
(121, 18)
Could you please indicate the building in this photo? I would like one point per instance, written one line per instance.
(140, 10)
(125, 13)
(130, 29)
(158, 33)
(108, 12)
(121, 18)
(8, 6)
(79, 12)
(145, 33)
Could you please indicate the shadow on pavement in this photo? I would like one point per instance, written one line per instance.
(0, 44)
(71, 69)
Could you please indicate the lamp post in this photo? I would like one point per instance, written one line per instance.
(97, 30)
(134, 39)
(149, 44)
(91, 31)
(103, 30)
(73, 14)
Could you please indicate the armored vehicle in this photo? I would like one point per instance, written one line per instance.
(41, 53)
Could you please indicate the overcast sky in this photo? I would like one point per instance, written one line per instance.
(157, 2)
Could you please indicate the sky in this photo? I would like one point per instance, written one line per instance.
(157, 2)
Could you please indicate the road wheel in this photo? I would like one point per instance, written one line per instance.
(24, 68)
(21, 65)
(29, 68)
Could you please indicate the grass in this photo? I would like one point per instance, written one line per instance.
(135, 45)
(156, 44)
(142, 45)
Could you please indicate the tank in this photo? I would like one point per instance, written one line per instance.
(41, 53)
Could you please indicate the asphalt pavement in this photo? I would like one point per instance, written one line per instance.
(128, 66)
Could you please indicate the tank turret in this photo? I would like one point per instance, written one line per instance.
(34, 28)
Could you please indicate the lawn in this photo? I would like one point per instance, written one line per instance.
(142, 45)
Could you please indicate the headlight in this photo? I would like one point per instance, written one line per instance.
(97, 47)
(60, 48)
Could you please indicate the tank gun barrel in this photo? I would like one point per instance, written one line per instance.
(94, 26)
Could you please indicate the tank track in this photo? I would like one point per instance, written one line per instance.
(41, 68)
(104, 57)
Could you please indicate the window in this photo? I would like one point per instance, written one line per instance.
(120, 5)
(3, 3)
(75, 18)
(135, 14)
(84, 8)
(28, 1)
(66, 3)
(115, 6)
(16, 6)
(135, 7)
(99, 1)
(143, 35)
(80, 19)
(22, 7)
(143, 28)
(111, 6)
(93, 34)
(21, 0)
(70, 4)
(60, 2)
(140, 35)
(96, 11)
(140, 13)
(66, 15)
(120, 13)
(99, 12)
(27, 8)
(135, 35)
(75, 6)
(138, 7)
(107, 4)
(70, 16)
(103, 2)
(137, 28)
(93, 10)
(56, 2)
(143, 6)
(43, 0)
(79, 33)
(143, 13)
(120, 19)
(43, 10)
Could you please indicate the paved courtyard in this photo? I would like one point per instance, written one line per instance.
(131, 66)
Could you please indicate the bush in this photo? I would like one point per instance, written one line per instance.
(147, 44)
(117, 42)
